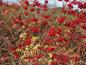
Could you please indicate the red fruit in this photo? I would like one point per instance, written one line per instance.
(42, 49)
(53, 63)
(55, 56)
(59, 30)
(20, 46)
(61, 20)
(26, 13)
(25, 7)
(16, 55)
(71, 24)
(32, 9)
(76, 59)
(82, 37)
(70, 5)
(4, 58)
(46, 1)
(80, 5)
(59, 0)
(61, 39)
(38, 5)
(35, 63)
(26, 2)
(17, 20)
(46, 17)
(64, 59)
(50, 49)
(66, 0)
(33, 19)
(44, 7)
(12, 48)
(27, 41)
(83, 26)
(44, 23)
(35, 29)
(52, 32)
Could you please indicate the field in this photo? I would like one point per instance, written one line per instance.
(33, 34)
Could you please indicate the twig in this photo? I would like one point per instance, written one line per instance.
(7, 25)
(82, 62)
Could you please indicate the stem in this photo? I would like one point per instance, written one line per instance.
(7, 25)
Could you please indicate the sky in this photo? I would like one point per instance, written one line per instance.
(14, 1)
(52, 3)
